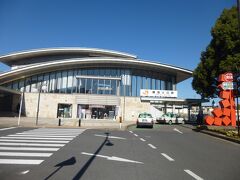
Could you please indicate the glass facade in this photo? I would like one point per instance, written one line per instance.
(67, 81)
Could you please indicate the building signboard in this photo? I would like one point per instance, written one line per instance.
(158, 93)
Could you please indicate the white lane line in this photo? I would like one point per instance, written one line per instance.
(7, 137)
(25, 154)
(193, 174)
(32, 141)
(111, 137)
(20, 135)
(135, 135)
(130, 131)
(3, 129)
(20, 161)
(167, 157)
(152, 146)
(31, 144)
(28, 149)
(24, 172)
(175, 129)
(142, 139)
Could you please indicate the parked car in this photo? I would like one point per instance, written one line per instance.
(145, 119)
(170, 118)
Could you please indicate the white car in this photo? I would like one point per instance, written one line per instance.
(145, 119)
(170, 118)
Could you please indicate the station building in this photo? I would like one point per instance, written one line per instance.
(88, 83)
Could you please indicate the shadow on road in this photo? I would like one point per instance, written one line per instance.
(89, 162)
(72, 160)
(68, 162)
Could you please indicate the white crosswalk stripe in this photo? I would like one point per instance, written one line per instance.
(26, 140)
(37, 143)
(7, 137)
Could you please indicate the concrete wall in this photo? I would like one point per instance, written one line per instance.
(49, 104)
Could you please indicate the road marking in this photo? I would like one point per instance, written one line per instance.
(135, 135)
(152, 146)
(24, 172)
(175, 129)
(167, 157)
(49, 134)
(28, 149)
(7, 137)
(55, 130)
(193, 174)
(20, 161)
(3, 129)
(31, 144)
(142, 139)
(111, 137)
(130, 131)
(25, 154)
(113, 158)
(35, 141)
(40, 135)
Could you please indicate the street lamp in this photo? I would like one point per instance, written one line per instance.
(20, 108)
(126, 81)
(42, 87)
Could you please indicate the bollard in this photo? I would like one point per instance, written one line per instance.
(59, 122)
(120, 122)
(79, 122)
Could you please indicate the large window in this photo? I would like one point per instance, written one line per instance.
(66, 81)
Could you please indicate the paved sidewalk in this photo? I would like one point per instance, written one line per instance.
(73, 123)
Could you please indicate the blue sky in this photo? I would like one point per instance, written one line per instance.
(173, 32)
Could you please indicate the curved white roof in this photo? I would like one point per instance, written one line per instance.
(180, 73)
(9, 59)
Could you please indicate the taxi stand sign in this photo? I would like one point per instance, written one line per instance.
(228, 85)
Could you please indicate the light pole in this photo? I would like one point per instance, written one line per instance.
(126, 82)
(42, 87)
(20, 108)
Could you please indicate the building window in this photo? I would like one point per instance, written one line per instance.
(64, 82)
(64, 110)
(52, 82)
(59, 81)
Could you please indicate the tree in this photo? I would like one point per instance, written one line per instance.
(221, 55)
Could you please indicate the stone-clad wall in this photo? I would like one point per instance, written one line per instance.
(49, 104)
(133, 106)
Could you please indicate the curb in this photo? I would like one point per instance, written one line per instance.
(217, 135)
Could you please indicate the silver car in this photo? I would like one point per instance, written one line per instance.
(145, 119)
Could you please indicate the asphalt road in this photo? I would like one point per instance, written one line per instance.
(166, 152)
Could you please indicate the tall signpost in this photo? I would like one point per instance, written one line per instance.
(226, 115)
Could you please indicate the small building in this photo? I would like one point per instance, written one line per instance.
(88, 83)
